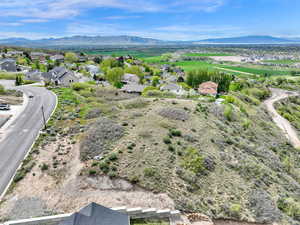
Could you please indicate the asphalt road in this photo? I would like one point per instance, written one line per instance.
(282, 123)
(21, 134)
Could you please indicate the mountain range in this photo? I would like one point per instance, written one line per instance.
(132, 40)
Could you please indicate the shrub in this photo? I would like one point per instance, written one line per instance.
(92, 172)
(104, 167)
(149, 172)
(235, 210)
(113, 157)
(80, 86)
(44, 167)
(175, 133)
(228, 112)
(167, 140)
(290, 207)
(193, 161)
(171, 148)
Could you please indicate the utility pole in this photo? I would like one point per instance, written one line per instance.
(44, 117)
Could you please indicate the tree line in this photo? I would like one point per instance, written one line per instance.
(196, 77)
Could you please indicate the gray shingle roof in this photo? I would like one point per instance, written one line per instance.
(95, 214)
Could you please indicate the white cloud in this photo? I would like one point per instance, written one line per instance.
(57, 9)
(34, 21)
(178, 32)
(28, 35)
(120, 17)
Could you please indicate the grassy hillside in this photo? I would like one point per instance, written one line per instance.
(225, 160)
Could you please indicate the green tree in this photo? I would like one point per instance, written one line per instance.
(155, 81)
(114, 76)
(71, 57)
(135, 70)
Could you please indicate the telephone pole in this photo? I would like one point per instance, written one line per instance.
(44, 119)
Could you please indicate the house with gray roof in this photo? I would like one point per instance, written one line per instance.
(173, 88)
(133, 88)
(92, 69)
(59, 58)
(8, 65)
(129, 78)
(60, 76)
(95, 214)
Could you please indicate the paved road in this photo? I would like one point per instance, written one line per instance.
(282, 123)
(21, 134)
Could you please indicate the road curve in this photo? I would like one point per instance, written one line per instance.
(282, 123)
(21, 134)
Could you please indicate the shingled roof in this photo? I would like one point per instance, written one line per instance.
(95, 214)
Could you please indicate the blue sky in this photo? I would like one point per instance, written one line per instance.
(161, 19)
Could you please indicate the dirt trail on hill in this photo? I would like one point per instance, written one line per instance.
(289, 131)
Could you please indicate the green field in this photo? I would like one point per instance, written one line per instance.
(207, 54)
(283, 61)
(153, 59)
(194, 65)
(256, 70)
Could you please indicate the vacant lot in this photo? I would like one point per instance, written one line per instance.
(225, 160)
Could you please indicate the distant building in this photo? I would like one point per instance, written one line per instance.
(133, 88)
(95, 214)
(92, 69)
(14, 54)
(130, 79)
(173, 88)
(208, 88)
(40, 56)
(8, 65)
(59, 58)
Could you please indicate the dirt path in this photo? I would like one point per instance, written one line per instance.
(282, 123)
(235, 71)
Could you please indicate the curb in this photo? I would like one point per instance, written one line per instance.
(29, 150)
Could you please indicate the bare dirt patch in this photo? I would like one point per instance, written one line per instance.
(61, 189)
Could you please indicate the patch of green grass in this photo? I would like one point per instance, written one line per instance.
(282, 61)
(194, 65)
(9, 76)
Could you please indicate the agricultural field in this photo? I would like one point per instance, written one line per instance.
(257, 71)
(207, 54)
(284, 61)
(194, 65)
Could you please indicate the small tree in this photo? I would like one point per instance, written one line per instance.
(114, 76)
(71, 57)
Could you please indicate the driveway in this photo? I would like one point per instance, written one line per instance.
(282, 123)
(22, 132)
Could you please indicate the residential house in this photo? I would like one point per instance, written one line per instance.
(208, 88)
(173, 88)
(133, 88)
(34, 75)
(40, 56)
(60, 76)
(92, 69)
(14, 54)
(8, 65)
(59, 58)
(95, 214)
(129, 78)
